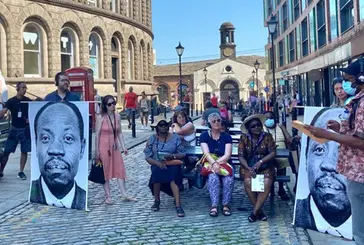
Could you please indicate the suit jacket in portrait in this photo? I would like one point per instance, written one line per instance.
(304, 217)
(37, 195)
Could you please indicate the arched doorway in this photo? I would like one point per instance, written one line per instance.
(229, 86)
(163, 93)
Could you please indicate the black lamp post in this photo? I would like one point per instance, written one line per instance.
(257, 66)
(180, 50)
(272, 27)
(205, 73)
(253, 75)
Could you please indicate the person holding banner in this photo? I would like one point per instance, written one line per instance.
(19, 130)
(256, 152)
(62, 93)
(349, 133)
(109, 145)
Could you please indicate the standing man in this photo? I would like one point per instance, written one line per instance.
(97, 99)
(19, 130)
(62, 93)
(214, 100)
(130, 104)
(261, 103)
(350, 135)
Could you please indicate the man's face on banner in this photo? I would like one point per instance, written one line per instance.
(59, 145)
(327, 187)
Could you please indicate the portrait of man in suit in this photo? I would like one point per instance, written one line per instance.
(60, 145)
(327, 207)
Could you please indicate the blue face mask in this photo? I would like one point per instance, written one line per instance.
(269, 123)
(348, 89)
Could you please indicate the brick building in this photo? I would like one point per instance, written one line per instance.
(314, 39)
(230, 73)
(40, 38)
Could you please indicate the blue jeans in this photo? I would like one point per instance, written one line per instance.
(356, 196)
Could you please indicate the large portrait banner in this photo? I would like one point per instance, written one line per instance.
(59, 160)
(322, 201)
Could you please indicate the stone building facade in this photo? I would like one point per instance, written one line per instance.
(42, 37)
(231, 74)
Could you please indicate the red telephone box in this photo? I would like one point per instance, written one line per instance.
(82, 83)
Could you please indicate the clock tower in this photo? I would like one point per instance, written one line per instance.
(227, 43)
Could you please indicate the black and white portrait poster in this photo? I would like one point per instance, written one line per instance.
(59, 161)
(322, 201)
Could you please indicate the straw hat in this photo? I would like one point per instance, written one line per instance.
(262, 118)
(158, 119)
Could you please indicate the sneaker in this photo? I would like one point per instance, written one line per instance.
(22, 176)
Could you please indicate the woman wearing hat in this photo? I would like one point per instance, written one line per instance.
(218, 144)
(164, 152)
(257, 151)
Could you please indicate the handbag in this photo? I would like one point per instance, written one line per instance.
(97, 172)
(225, 168)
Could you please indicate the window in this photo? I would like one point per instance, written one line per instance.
(321, 23)
(281, 53)
(292, 56)
(298, 42)
(113, 5)
(304, 4)
(32, 50)
(67, 49)
(114, 45)
(346, 15)
(296, 11)
(333, 20)
(361, 9)
(270, 7)
(130, 60)
(94, 52)
(285, 16)
(92, 3)
(304, 37)
(141, 62)
(228, 68)
(313, 43)
(130, 8)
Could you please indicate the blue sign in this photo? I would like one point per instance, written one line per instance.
(282, 82)
(251, 84)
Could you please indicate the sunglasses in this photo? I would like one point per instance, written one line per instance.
(257, 125)
(216, 121)
(112, 103)
(163, 125)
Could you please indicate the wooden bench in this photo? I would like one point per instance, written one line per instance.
(232, 131)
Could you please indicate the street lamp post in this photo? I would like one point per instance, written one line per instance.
(180, 50)
(257, 66)
(272, 27)
(253, 76)
(205, 73)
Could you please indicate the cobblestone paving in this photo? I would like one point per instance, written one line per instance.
(134, 223)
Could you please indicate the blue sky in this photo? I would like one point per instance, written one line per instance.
(196, 24)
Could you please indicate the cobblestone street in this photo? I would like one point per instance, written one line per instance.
(135, 223)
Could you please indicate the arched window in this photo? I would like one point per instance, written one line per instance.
(130, 60)
(32, 41)
(94, 47)
(163, 93)
(67, 49)
(141, 62)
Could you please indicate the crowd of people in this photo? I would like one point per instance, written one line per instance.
(165, 150)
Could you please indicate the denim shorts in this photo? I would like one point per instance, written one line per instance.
(129, 111)
(16, 135)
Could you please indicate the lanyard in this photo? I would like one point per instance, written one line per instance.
(112, 126)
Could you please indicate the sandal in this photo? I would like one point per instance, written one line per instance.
(155, 206)
(108, 201)
(262, 216)
(180, 212)
(252, 217)
(129, 199)
(214, 212)
(226, 211)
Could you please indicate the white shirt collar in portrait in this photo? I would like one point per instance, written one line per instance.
(323, 226)
(65, 202)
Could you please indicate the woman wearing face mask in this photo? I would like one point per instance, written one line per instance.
(283, 140)
(340, 94)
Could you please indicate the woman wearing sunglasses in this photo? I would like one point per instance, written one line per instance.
(164, 152)
(257, 151)
(109, 145)
(217, 147)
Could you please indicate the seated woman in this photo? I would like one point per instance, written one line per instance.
(257, 151)
(220, 144)
(183, 128)
(164, 153)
